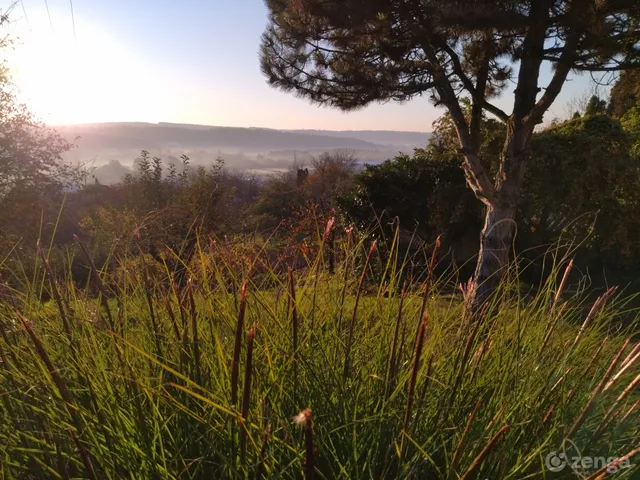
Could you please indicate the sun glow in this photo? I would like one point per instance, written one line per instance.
(87, 77)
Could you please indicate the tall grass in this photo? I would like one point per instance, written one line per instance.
(132, 377)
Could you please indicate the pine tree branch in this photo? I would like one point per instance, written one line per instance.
(477, 177)
(531, 51)
(477, 95)
(482, 76)
(565, 64)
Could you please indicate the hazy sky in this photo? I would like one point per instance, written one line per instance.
(187, 61)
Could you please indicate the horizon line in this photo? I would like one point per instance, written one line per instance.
(80, 124)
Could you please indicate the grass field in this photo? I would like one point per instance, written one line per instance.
(251, 371)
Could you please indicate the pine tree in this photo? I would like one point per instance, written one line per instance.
(350, 53)
(596, 106)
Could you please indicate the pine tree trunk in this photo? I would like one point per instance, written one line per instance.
(496, 242)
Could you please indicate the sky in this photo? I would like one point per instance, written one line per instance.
(181, 61)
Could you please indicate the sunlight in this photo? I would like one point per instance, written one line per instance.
(87, 78)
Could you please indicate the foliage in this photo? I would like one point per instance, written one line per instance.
(161, 207)
(133, 369)
(445, 142)
(110, 230)
(631, 123)
(157, 208)
(33, 177)
(280, 195)
(30, 152)
(583, 185)
(625, 93)
(301, 199)
(355, 53)
(331, 175)
(423, 193)
(31, 166)
(596, 106)
(582, 189)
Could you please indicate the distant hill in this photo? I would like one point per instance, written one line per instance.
(250, 140)
(98, 145)
(153, 136)
(387, 138)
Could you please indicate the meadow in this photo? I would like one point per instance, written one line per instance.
(254, 370)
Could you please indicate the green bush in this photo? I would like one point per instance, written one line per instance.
(581, 191)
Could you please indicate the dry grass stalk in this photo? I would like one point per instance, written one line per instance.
(625, 365)
(394, 344)
(84, 456)
(608, 417)
(172, 317)
(467, 351)
(597, 305)
(632, 355)
(547, 416)
(559, 382)
(263, 451)
(470, 473)
(355, 310)
(293, 308)
(194, 332)
(596, 391)
(612, 467)
(551, 327)
(458, 452)
(149, 297)
(414, 370)
(427, 283)
(246, 394)
(476, 360)
(561, 379)
(562, 284)
(235, 361)
(64, 392)
(593, 358)
(425, 387)
(494, 420)
(59, 382)
(630, 411)
(304, 419)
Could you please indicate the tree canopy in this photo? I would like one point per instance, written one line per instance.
(596, 106)
(625, 93)
(348, 54)
(33, 175)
